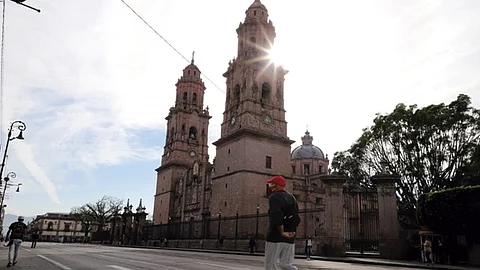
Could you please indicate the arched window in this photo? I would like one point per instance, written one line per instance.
(189, 72)
(50, 226)
(203, 132)
(266, 90)
(183, 128)
(192, 134)
(236, 94)
(185, 96)
(194, 98)
(172, 133)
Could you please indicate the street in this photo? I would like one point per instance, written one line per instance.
(77, 256)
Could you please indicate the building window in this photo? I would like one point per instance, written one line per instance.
(194, 98)
(320, 168)
(50, 226)
(192, 134)
(228, 169)
(229, 151)
(254, 13)
(185, 96)
(266, 90)
(293, 169)
(226, 185)
(268, 162)
(67, 227)
(225, 204)
(236, 94)
(195, 73)
(189, 72)
(183, 128)
(306, 169)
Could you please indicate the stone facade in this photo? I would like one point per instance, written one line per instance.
(253, 146)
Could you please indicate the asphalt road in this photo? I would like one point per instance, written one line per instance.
(76, 256)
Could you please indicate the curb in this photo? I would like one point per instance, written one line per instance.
(316, 258)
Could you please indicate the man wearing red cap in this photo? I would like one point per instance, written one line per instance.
(283, 220)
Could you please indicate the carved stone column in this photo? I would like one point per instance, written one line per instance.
(389, 238)
(334, 220)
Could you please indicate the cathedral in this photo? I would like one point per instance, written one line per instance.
(253, 145)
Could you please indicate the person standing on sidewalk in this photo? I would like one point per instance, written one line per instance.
(35, 237)
(308, 247)
(283, 220)
(14, 237)
(427, 248)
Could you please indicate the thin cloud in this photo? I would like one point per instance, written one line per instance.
(29, 161)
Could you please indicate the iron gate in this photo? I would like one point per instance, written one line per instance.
(361, 221)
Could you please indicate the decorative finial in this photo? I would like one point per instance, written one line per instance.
(193, 57)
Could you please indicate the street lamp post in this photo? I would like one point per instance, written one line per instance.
(219, 219)
(6, 184)
(20, 2)
(21, 127)
(256, 228)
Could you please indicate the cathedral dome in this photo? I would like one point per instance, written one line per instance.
(307, 150)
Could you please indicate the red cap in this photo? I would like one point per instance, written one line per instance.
(278, 180)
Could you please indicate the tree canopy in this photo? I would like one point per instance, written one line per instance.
(432, 148)
(100, 212)
(453, 210)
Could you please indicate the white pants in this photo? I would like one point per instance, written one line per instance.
(15, 246)
(284, 252)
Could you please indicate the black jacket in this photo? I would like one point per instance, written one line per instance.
(277, 204)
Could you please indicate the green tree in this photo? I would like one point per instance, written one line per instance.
(427, 147)
(100, 212)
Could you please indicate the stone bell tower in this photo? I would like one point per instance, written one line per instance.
(186, 140)
(254, 144)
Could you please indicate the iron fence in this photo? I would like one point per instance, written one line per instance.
(236, 227)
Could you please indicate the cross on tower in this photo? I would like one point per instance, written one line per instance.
(193, 57)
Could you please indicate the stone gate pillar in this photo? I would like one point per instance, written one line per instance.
(389, 228)
(334, 220)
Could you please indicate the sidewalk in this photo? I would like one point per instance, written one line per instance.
(371, 261)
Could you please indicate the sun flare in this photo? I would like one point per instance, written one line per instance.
(275, 57)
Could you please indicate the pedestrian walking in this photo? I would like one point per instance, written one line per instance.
(14, 237)
(283, 220)
(427, 249)
(251, 244)
(308, 247)
(35, 237)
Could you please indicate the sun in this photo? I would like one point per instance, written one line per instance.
(275, 57)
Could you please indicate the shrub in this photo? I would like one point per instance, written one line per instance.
(451, 211)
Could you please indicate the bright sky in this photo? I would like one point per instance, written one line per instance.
(93, 83)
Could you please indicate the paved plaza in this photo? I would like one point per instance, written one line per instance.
(77, 256)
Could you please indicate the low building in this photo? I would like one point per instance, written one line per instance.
(59, 227)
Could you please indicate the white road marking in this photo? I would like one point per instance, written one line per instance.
(55, 263)
(223, 266)
(136, 261)
(119, 267)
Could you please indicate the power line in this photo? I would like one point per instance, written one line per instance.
(171, 46)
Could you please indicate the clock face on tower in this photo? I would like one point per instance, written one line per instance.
(233, 120)
(268, 119)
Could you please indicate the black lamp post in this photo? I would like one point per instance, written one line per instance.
(20, 2)
(6, 184)
(256, 228)
(21, 127)
(219, 219)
